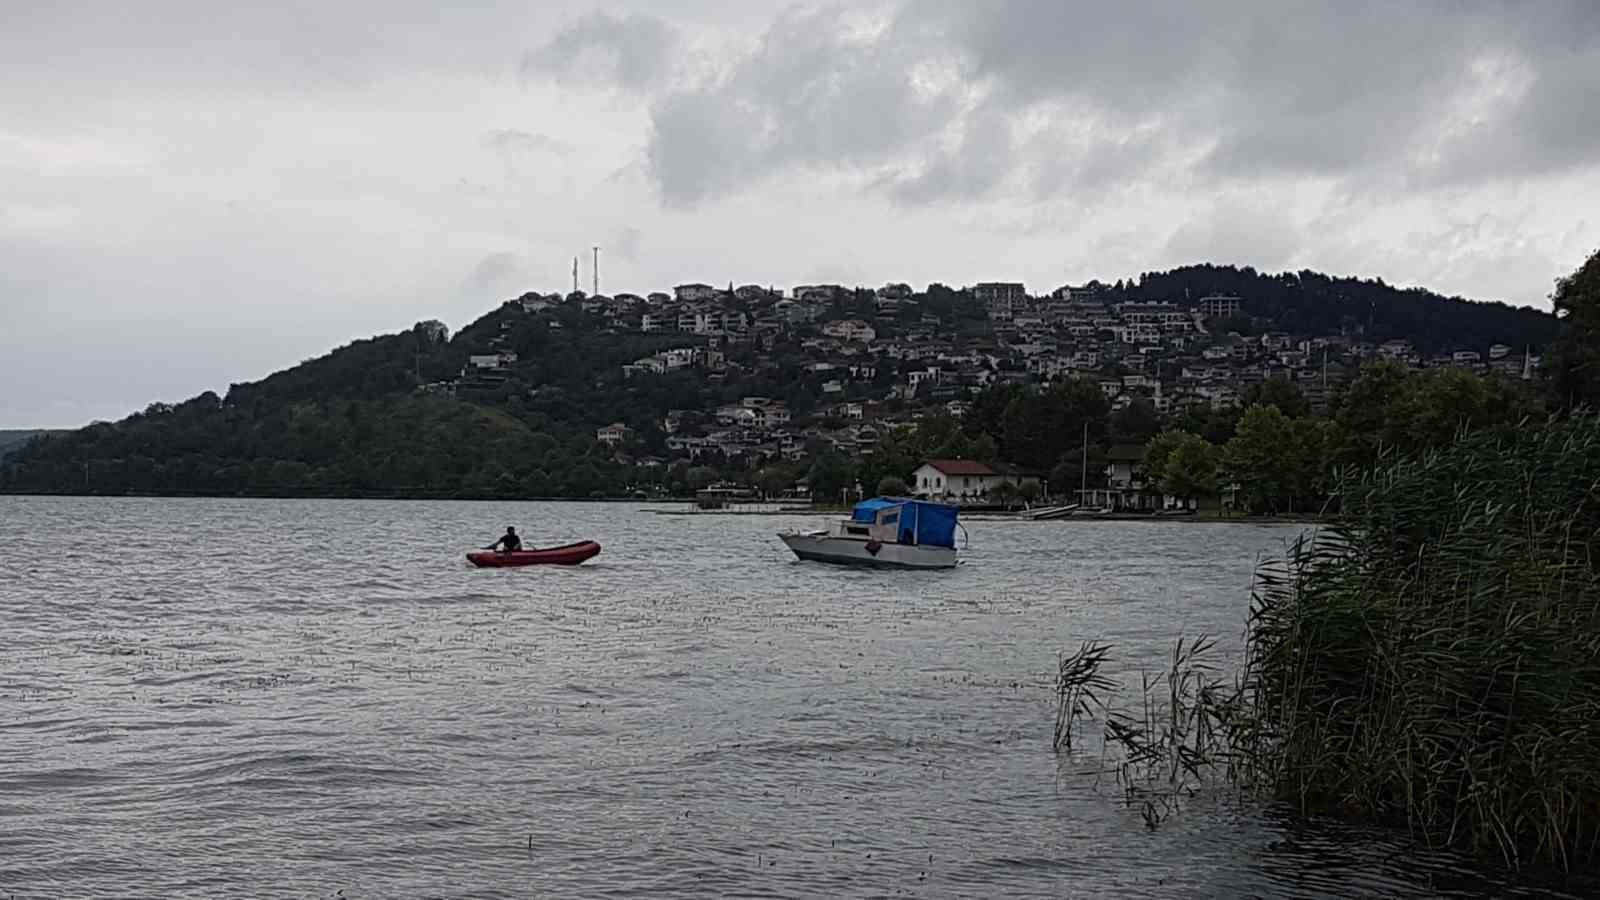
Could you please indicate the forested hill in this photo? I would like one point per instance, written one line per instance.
(1313, 303)
(12, 439)
(359, 422)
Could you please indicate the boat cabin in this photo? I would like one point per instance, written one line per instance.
(888, 520)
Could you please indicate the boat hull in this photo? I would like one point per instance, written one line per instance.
(569, 555)
(842, 551)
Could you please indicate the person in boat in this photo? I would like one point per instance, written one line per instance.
(508, 543)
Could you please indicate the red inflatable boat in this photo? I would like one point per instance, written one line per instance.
(569, 555)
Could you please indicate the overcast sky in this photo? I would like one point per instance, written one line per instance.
(192, 196)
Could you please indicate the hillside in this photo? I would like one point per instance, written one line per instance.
(1314, 303)
(719, 383)
(11, 440)
(352, 423)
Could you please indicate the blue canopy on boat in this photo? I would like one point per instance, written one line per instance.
(920, 522)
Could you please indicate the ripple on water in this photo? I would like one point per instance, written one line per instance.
(241, 704)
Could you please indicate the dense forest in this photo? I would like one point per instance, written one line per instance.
(13, 439)
(353, 423)
(1313, 303)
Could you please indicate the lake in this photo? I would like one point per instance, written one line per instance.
(297, 698)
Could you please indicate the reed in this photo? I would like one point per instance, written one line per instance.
(1430, 660)
(1173, 741)
(1080, 690)
(1433, 659)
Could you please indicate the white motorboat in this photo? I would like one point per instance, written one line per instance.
(884, 531)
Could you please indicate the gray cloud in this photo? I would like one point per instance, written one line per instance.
(624, 244)
(811, 94)
(1428, 92)
(1246, 231)
(514, 140)
(494, 277)
(982, 158)
(635, 50)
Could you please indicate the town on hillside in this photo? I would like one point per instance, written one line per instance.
(873, 361)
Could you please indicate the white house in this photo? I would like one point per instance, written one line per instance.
(851, 330)
(693, 292)
(961, 479)
(612, 434)
(492, 360)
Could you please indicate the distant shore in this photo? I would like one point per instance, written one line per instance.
(783, 508)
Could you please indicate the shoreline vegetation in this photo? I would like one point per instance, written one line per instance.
(1430, 661)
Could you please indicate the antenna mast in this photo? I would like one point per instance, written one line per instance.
(597, 271)
(574, 274)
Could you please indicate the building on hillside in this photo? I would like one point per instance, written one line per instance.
(816, 293)
(1001, 299)
(851, 330)
(614, 434)
(963, 479)
(1219, 306)
(691, 293)
(1164, 315)
(492, 360)
(994, 291)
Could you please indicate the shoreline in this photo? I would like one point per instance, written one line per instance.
(972, 514)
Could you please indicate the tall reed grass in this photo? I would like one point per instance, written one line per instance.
(1431, 660)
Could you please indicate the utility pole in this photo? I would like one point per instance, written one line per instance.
(574, 274)
(597, 271)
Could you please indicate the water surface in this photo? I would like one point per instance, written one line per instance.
(296, 698)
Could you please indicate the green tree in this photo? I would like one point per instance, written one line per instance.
(1309, 458)
(1372, 411)
(984, 448)
(1280, 392)
(1392, 409)
(1040, 428)
(774, 480)
(1215, 424)
(891, 486)
(1183, 464)
(1257, 460)
(1135, 423)
(830, 475)
(1005, 492)
(1574, 364)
